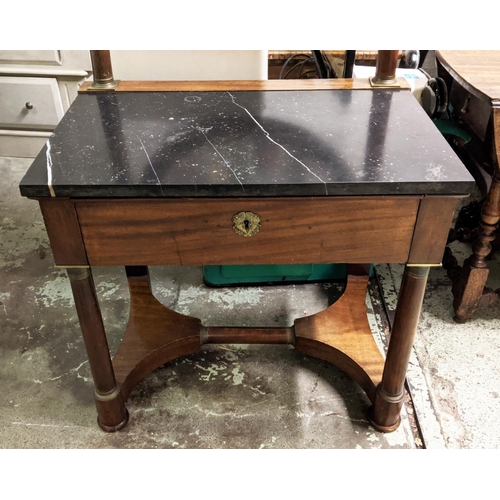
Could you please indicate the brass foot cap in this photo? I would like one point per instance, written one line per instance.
(382, 428)
(114, 428)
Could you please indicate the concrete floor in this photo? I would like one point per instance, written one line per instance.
(235, 396)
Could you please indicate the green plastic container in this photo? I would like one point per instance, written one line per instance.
(446, 127)
(272, 274)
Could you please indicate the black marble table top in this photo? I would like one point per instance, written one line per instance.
(261, 143)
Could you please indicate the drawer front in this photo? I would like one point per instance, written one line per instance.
(29, 103)
(49, 57)
(292, 231)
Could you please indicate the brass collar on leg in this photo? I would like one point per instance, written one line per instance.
(109, 396)
(78, 273)
(419, 271)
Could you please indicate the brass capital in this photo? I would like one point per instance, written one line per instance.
(78, 273)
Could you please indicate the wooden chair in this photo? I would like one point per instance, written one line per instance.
(472, 79)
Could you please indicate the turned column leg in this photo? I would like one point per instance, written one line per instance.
(385, 412)
(112, 414)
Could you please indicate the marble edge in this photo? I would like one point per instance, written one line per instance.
(453, 188)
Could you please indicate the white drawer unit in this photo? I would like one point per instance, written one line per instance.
(36, 89)
(50, 57)
(38, 86)
(29, 103)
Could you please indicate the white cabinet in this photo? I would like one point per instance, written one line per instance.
(189, 64)
(38, 86)
(36, 89)
(30, 103)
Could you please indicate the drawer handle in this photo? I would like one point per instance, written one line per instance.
(29, 105)
(246, 224)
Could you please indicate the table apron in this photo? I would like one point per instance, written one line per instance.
(292, 230)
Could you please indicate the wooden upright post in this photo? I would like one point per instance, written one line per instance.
(385, 70)
(102, 70)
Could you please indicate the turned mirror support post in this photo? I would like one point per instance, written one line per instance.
(385, 70)
(102, 70)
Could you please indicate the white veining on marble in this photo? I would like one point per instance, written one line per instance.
(277, 143)
(152, 168)
(49, 170)
(204, 132)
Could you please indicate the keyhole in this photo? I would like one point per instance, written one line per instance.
(246, 223)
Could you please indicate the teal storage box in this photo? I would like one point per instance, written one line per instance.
(272, 274)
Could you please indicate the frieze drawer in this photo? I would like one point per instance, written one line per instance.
(277, 230)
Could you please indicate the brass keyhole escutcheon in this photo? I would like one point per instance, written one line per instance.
(246, 224)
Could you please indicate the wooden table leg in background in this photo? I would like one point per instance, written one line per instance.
(385, 413)
(112, 414)
(469, 289)
(469, 284)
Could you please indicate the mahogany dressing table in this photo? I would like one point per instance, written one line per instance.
(268, 172)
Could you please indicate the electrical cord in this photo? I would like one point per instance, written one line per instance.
(288, 61)
(317, 59)
(323, 65)
(301, 63)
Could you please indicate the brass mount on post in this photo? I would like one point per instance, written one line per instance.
(102, 71)
(385, 72)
